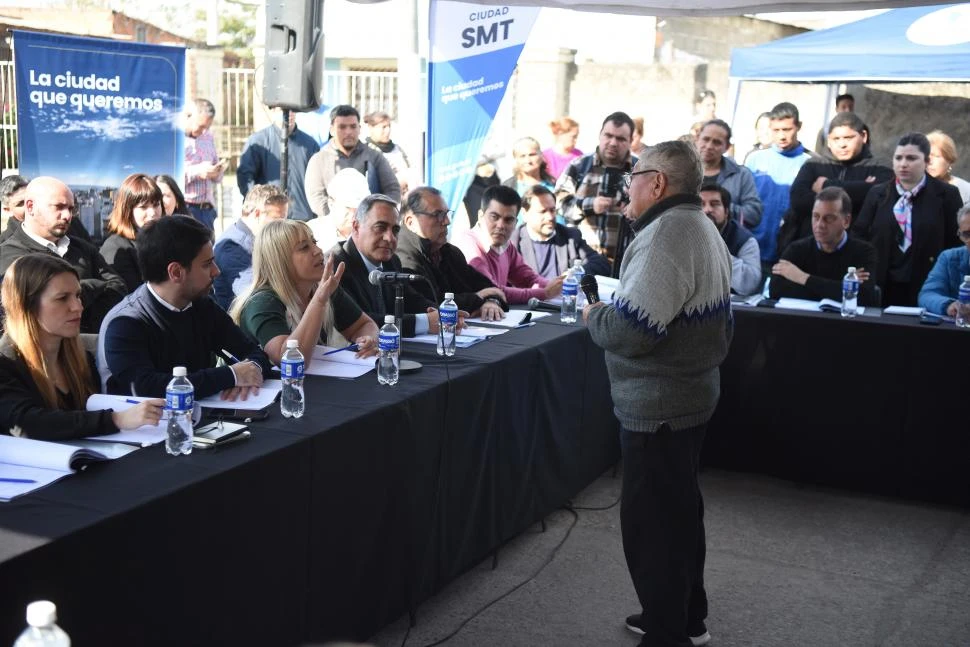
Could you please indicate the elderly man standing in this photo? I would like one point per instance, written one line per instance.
(48, 213)
(665, 335)
(203, 168)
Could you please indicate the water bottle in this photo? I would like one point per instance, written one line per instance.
(447, 324)
(570, 288)
(179, 400)
(389, 347)
(850, 293)
(578, 273)
(291, 372)
(963, 303)
(42, 630)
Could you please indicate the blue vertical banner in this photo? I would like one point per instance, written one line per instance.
(474, 50)
(92, 111)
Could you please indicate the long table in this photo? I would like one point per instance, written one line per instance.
(872, 403)
(326, 527)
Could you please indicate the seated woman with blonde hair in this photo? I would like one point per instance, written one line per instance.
(296, 295)
(46, 375)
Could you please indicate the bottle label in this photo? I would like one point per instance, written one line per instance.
(179, 400)
(388, 341)
(448, 316)
(964, 297)
(569, 288)
(291, 368)
(848, 285)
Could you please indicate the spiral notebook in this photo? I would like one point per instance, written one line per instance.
(27, 464)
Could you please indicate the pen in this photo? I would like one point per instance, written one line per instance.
(353, 347)
(233, 358)
(129, 401)
(525, 325)
(9, 480)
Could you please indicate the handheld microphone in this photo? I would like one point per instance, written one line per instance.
(590, 288)
(535, 304)
(377, 277)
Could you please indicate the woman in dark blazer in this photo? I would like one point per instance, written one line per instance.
(46, 375)
(909, 220)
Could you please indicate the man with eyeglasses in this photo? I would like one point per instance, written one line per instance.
(665, 335)
(424, 249)
(48, 213)
(548, 247)
(597, 181)
(940, 290)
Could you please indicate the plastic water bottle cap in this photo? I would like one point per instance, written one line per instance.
(292, 343)
(179, 371)
(42, 613)
(851, 269)
(388, 319)
(449, 295)
(966, 279)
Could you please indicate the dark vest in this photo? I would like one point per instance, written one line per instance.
(735, 236)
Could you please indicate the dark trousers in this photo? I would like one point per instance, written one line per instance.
(204, 213)
(662, 518)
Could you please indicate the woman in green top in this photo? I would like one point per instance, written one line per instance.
(296, 295)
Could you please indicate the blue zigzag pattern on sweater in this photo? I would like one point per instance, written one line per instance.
(699, 315)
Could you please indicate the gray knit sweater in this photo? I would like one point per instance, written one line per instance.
(670, 325)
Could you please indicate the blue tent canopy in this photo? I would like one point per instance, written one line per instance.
(913, 44)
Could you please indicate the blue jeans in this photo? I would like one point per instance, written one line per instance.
(206, 216)
(662, 521)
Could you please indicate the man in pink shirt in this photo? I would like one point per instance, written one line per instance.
(487, 248)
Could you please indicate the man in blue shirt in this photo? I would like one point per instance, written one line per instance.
(939, 293)
(774, 171)
(260, 162)
(234, 251)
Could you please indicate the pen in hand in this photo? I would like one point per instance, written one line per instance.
(352, 347)
(4, 479)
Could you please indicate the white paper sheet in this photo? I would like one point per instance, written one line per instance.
(343, 363)
(461, 341)
(903, 310)
(512, 319)
(267, 394)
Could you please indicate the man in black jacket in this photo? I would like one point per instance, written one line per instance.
(424, 249)
(849, 166)
(548, 247)
(48, 212)
(813, 267)
(371, 246)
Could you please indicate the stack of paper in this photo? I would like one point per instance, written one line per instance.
(266, 396)
(342, 363)
(141, 437)
(909, 311)
(825, 305)
(27, 464)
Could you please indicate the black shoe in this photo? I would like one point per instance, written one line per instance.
(699, 634)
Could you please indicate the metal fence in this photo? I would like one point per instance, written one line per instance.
(8, 118)
(366, 91)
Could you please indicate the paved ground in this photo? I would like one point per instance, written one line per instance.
(787, 565)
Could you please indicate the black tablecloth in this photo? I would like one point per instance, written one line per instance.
(870, 403)
(324, 527)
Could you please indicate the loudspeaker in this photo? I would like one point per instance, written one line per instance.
(293, 69)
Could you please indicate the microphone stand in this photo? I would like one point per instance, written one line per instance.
(404, 365)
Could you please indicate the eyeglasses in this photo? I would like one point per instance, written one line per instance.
(437, 215)
(628, 177)
(964, 235)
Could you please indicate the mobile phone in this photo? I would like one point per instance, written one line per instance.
(930, 319)
(241, 415)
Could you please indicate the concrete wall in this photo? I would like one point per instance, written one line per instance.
(892, 110)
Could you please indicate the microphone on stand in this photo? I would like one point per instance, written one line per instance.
(590, 288)
(377, 277)
(535, 304)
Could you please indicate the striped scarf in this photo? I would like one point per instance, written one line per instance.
(903, 210)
